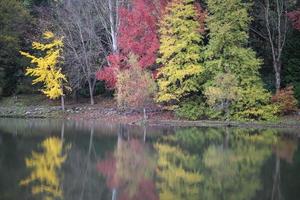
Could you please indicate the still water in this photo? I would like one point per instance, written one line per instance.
(55, 160)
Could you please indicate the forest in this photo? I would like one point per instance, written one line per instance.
(199, 59)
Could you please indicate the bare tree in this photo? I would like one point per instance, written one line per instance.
(90, 29)
(272, 13)
(85, 39)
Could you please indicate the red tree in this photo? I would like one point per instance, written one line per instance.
(137, 35)
(294, 16)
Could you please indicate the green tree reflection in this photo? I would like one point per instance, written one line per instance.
(210, 164)
(45, 169)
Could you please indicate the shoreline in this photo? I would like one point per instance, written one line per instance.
(132, 117)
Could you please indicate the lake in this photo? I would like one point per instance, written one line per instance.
(53, 159)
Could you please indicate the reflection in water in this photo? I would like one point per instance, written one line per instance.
(232, 169)
(284, 150)
(119, 164)
(45, 169)
(178, 177)
(129, 170)
(213, 164)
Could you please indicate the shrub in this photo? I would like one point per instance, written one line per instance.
(195, 108)
(135, 87)
(191, 109)
(222, 92)
(286, 100)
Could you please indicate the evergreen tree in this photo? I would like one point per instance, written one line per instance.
(227, 52)
(14, 25)
(180, 51)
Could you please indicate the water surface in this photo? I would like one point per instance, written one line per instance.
(54, 159)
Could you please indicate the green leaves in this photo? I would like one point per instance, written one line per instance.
(227, 52)
(180, 52)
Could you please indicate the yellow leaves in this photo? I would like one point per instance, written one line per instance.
(48, 35)
(46, 68)
(180, 52)
(44, 169)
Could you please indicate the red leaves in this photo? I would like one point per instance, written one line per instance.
(286, 100)
(137, 35)
(109, 74)
(201, 16)
(294, 16)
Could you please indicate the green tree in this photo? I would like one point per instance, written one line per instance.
(223, 91)
(291, 62)
(14, 23)
(227, 52)
(180, 52)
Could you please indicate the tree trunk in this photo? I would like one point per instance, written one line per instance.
(62, 102)
(277, 69)
(112, 27)
(91, 93)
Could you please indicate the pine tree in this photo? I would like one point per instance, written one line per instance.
(46, 68)
(227, 52)
(180, 51)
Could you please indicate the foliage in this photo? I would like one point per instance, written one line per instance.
(286, 100)
(138, 35)
(227, 52)
(14, 22)
(291, 62)
(135, 87)
(191, 109)
(294, 16)
(222, 92)
(45, 167)
(180, 52)
(46, 68)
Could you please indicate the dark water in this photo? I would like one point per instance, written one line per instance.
(51, 160)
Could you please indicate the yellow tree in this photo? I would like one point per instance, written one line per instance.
(46, 68)
(180, 52)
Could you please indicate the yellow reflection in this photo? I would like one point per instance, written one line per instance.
(179, 178)
(45, 168)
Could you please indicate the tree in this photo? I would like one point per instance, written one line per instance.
(223, 91)
(47, 69)
(86, 39)
(180, 52)
(294, 16)
(13, 34)
(274, 29)
(137, 34)
(135, 87)
(291, 62)
(227, 52)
